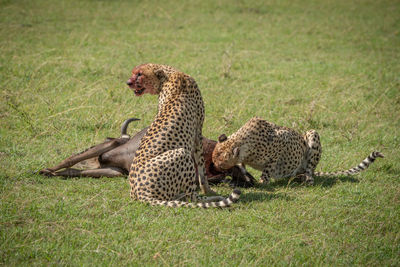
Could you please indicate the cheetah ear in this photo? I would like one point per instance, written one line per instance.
(222, 138)
(160, 74)
(236, 152)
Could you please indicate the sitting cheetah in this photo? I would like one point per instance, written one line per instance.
(163, 169)
(277, 151)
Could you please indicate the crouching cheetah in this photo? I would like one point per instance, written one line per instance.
(277, 151)
(163, 170)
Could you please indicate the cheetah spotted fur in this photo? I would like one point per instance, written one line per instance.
(163, 170)
(279, 152)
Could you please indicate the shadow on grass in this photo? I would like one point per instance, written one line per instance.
(263, 196)
(323, 181)
(327, 181)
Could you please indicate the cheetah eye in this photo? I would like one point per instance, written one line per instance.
(139, 74)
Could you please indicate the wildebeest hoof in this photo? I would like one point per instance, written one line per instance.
(47, 172)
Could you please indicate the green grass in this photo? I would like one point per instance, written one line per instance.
(329, 65)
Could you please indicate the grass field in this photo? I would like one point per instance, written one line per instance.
(332, 65)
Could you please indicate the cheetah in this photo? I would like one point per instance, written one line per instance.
(163, 170)
(279, 152)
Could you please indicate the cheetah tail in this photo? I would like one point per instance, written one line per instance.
(227, 202)
(359, 168)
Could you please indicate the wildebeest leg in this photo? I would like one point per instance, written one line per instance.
(96, 173)
(92, 152)
(241, 177)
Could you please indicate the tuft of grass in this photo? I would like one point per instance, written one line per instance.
(331, 65)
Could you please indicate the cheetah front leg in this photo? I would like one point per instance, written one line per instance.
(268, 171)
(199, 161)
(265, 176)
(313, 154)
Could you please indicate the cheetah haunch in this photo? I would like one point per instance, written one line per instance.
(277, 151)
(163, 170)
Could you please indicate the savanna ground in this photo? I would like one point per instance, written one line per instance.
(329, 65)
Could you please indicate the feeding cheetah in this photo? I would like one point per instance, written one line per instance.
(279, 152)
(163, 169)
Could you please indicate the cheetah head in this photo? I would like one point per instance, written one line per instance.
(146, 78)
(224, 155)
